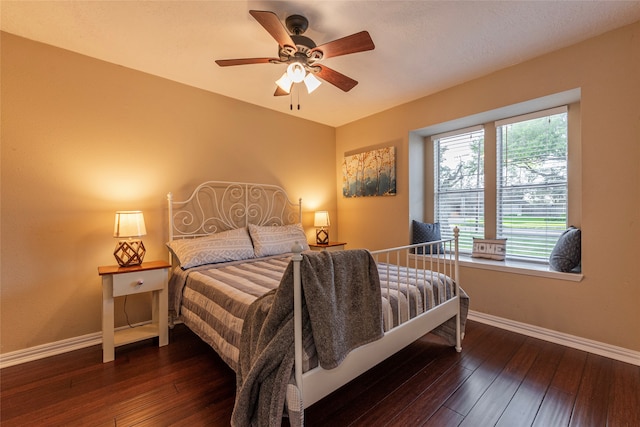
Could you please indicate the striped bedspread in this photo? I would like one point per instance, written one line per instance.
(213, 300)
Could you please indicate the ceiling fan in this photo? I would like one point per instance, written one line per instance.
(302, 54)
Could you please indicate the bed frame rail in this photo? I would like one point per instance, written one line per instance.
(317, 383)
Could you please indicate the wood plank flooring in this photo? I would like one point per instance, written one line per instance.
(500, 379)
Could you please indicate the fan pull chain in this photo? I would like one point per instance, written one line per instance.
(291, 100)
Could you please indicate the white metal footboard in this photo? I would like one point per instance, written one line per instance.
(401, 262)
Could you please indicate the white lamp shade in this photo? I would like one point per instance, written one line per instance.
(285, 83)
(321, 219)
(129, 224)
(311, 82)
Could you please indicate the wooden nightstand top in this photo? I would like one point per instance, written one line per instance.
(328, 245)
(116, 269)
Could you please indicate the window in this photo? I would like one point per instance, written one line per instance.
(529, 189)
(532, 182)
(459, 184)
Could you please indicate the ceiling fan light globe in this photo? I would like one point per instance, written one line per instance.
(285, 83)
(296, 72)
(311, 82)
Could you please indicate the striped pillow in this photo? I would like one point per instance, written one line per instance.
(276, 239)
(231, 245)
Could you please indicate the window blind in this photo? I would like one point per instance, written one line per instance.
(532, 182)
(459, 184)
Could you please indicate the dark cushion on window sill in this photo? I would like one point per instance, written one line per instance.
(566, 254)
(423, 232)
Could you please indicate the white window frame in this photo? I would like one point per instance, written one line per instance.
(421, 173)
(491, 184)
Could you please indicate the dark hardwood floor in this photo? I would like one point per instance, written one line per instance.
(500, 378)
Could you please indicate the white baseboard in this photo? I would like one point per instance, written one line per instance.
(602, 349)
(590, 346)
(52, 349)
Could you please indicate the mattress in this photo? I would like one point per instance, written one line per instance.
(213, 300)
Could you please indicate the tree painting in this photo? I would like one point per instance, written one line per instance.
(370, 173)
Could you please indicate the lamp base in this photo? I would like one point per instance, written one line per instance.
(322, 237)
(129, 252)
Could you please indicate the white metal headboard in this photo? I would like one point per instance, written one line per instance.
(216, 206)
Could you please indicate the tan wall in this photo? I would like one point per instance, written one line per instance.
(73, 129)
(604, 306)
(82, 138)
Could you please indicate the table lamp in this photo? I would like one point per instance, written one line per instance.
(321, 221)
(129, 251)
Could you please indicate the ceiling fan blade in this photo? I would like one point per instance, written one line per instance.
(243, 61)
(335, 78)
(280, 92)
(358, 42)
(272, 24)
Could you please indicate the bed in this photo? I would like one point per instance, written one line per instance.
(294, 324)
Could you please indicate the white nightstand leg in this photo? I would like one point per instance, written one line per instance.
(108, 353)
(163, 327)
(159, 305)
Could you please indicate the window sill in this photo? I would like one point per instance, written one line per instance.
(517, 267)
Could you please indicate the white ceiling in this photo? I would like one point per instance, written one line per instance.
(421, 46)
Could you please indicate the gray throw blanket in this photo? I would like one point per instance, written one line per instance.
(341, 308)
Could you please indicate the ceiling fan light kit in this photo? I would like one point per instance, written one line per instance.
(296, 73)
(302, 55)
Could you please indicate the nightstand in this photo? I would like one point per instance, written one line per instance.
(331, 246)
(119, 281)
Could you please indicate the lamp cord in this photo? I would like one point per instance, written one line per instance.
(124, 308)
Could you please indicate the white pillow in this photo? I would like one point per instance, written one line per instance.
(231, 245)
(276, 239)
